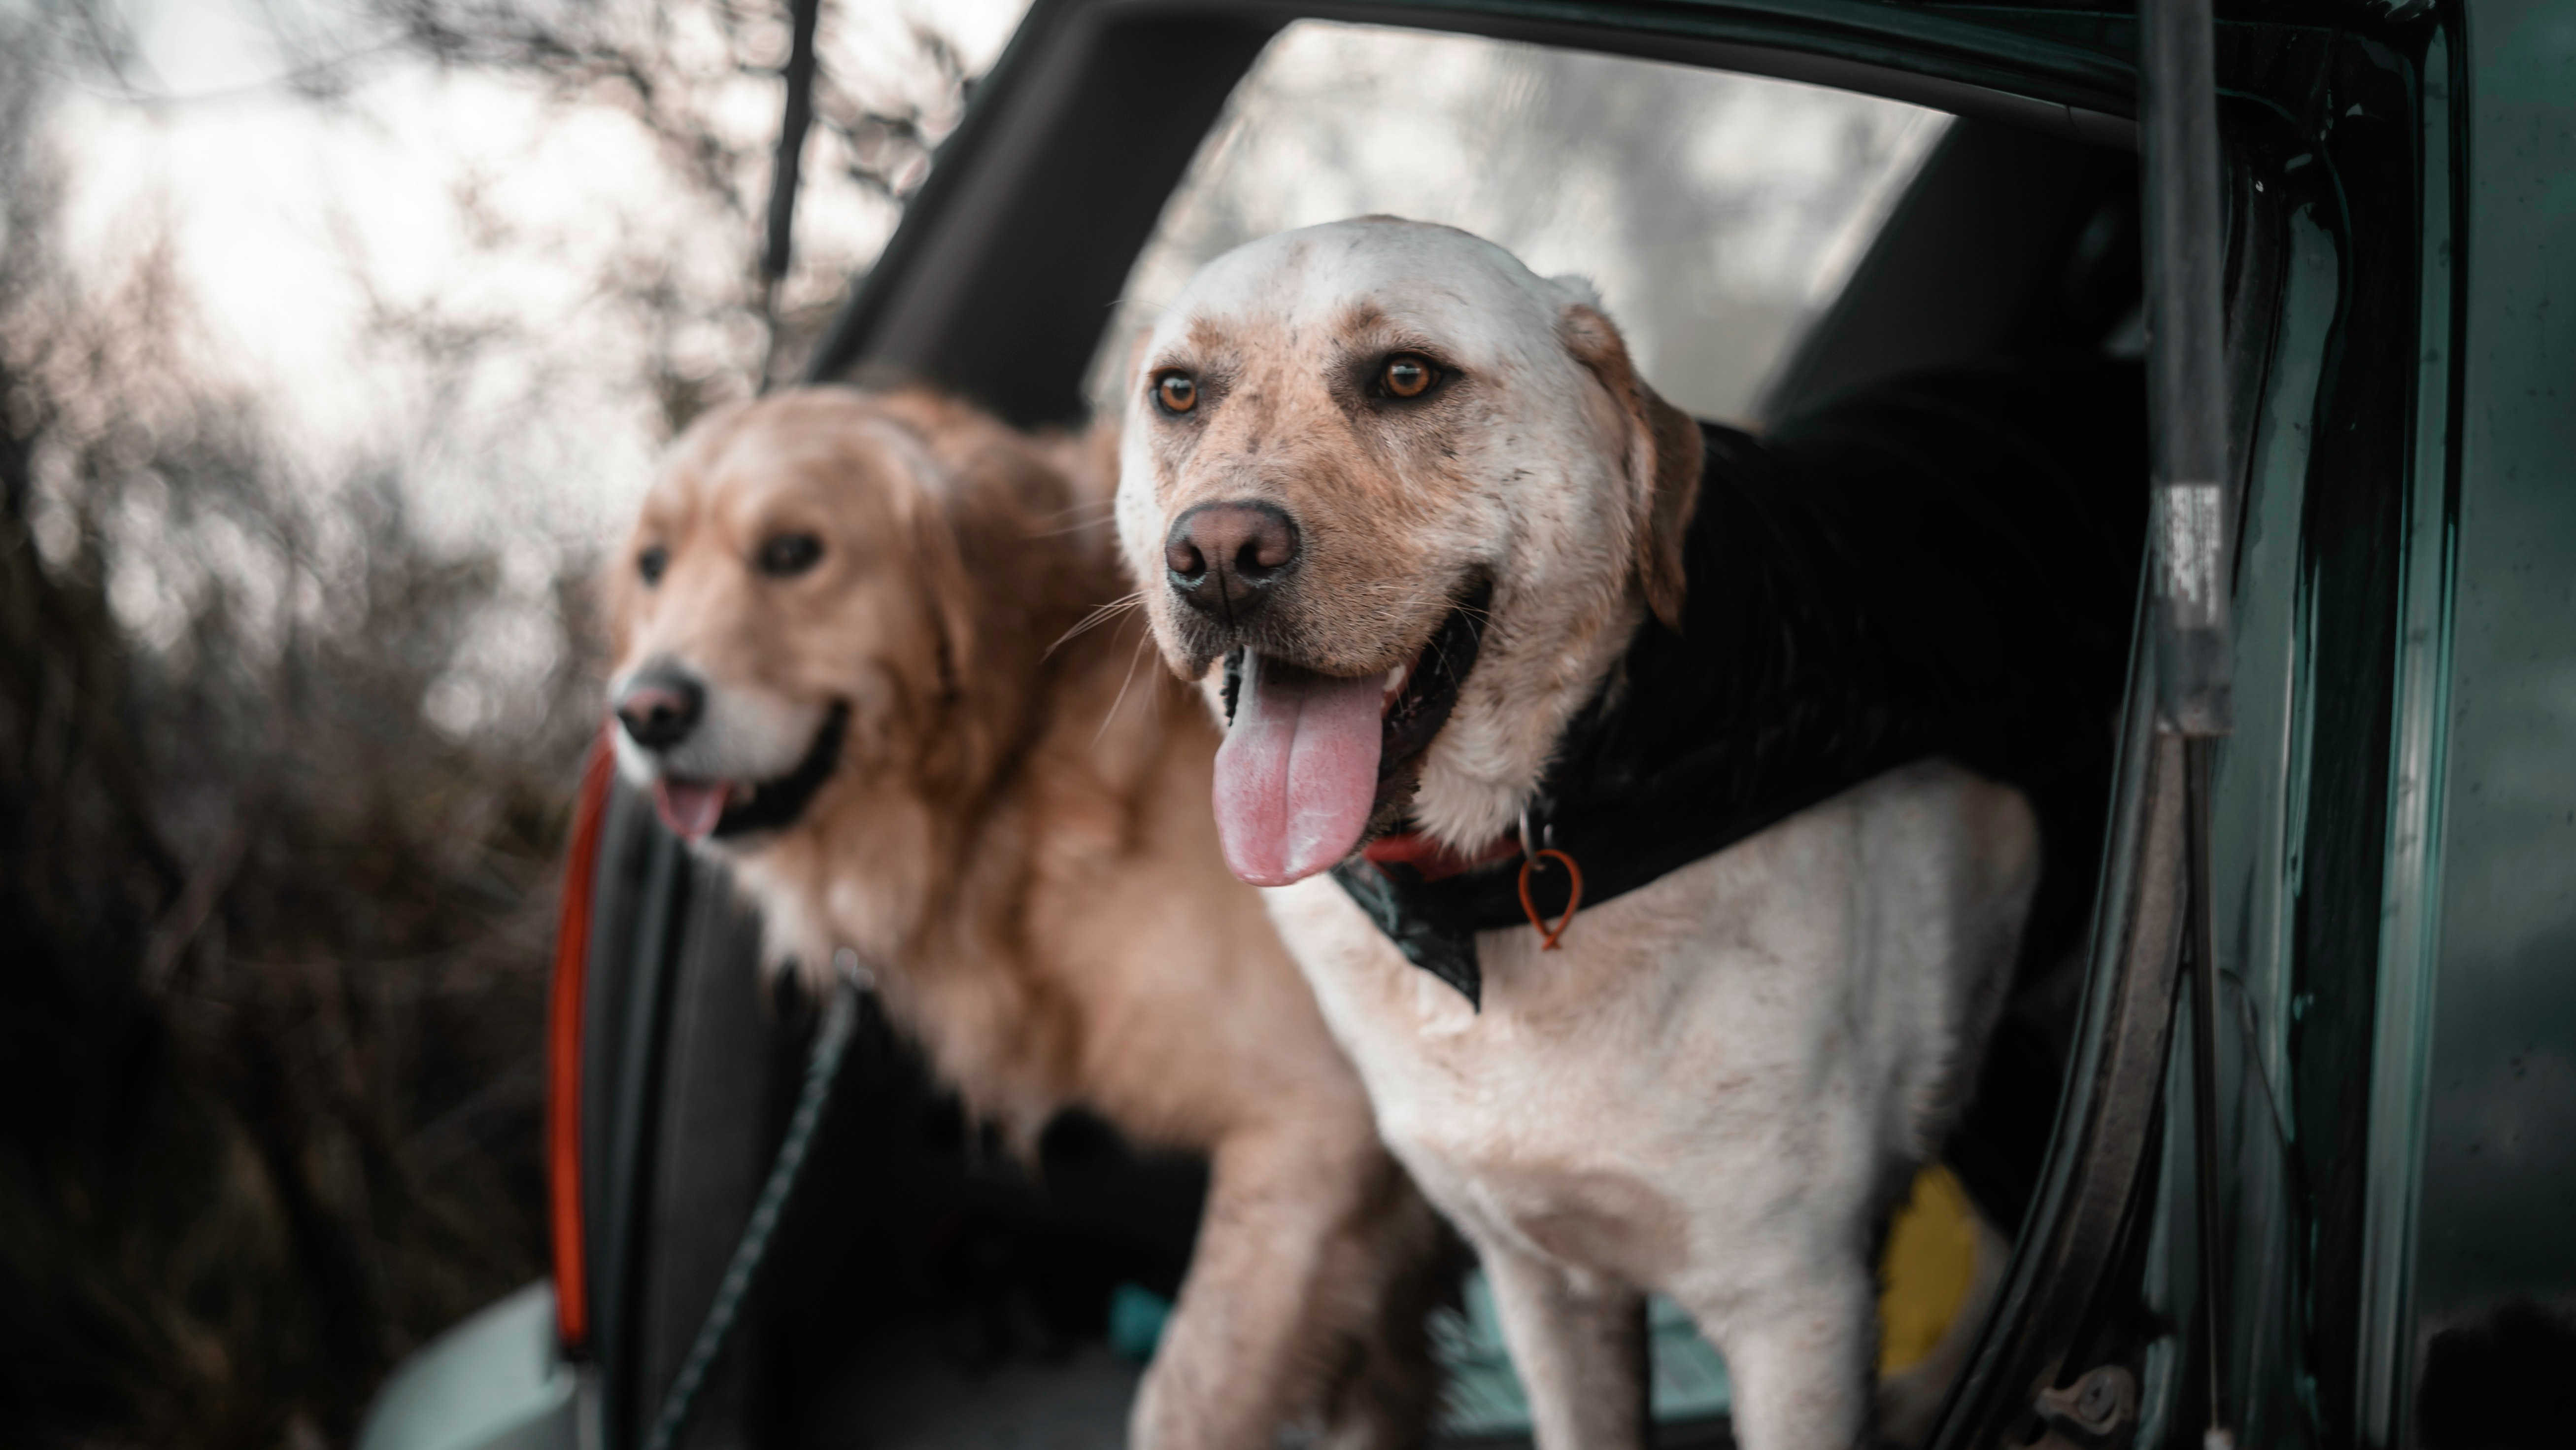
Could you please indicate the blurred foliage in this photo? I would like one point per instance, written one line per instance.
(274, 934)
(668, 67)
(688, 73)
(276, 944)
(271, 1004)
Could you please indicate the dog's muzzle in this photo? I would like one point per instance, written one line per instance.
(665, 713)
(776, 804)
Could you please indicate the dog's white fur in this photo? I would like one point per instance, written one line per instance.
(1722, 1081)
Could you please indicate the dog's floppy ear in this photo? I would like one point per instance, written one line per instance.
(1663, 456)
(921, 512)
(947, 585)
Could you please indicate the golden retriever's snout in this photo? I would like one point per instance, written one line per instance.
(1225, 559)
(659, 708)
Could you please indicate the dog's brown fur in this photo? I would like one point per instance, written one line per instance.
(1016, 838)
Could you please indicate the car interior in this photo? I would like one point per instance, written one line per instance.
(927, 1287)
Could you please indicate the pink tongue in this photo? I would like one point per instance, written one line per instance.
(689, 807)
(1298, 771)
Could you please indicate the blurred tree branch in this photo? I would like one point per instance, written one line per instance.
(674, 68)
(271, 995)
(684, 72)
(664, 64)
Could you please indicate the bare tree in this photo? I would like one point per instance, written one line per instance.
(272, 995)
(679, 71)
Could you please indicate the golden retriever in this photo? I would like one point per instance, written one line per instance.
(849, 666)
(1414, 520)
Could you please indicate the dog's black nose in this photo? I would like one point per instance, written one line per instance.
(1223, 557)
(660, 707)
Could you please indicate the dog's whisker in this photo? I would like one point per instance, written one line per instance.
(1078, 505)
(1091, 513)
(1129, 679)
(1072, 528)
(1095, 619)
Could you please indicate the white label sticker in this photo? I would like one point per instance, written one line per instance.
(2189, 534)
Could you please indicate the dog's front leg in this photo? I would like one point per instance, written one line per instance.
(1231, 1367)
(1579, 1346)
(1799, 1354)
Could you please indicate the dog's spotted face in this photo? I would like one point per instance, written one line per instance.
(778, 613)
(1399, 503)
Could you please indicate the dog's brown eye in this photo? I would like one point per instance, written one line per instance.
(650, 564)
(1409, 375)
(782, 555)
(1177, 392)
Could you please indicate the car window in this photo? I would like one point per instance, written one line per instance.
(1716, 213)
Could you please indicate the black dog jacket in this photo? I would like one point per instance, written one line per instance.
(1944, 565)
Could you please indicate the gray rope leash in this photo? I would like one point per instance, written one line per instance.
(840, 1020)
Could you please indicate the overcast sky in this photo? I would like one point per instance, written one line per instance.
(290, 219)
(471, 206)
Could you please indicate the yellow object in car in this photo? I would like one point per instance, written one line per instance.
(1928, 1270)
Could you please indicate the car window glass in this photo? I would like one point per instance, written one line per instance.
(1716, 213)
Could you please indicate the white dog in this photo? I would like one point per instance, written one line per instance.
(1451, 571)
